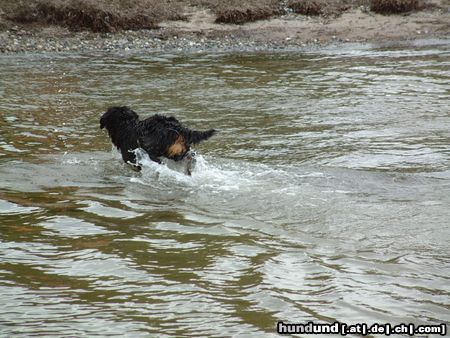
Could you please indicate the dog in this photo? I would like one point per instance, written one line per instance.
(159, 135)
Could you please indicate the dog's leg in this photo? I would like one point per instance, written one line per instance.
(155, 159)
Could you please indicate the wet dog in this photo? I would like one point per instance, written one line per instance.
(159, 135)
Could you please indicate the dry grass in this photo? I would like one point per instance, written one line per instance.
(240, 11)
(307, 7)
(238, 14)
(115, 15)
(395, 6)
(242, 15)
(97, 16)
(323, 7)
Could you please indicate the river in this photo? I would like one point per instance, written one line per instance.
(324, 197)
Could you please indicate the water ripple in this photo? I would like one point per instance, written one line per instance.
(323, 197)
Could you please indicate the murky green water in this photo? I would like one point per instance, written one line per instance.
(325, 196)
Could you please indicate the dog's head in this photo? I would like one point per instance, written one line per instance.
(178, 149)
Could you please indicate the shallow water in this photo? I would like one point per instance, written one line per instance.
(324, 197)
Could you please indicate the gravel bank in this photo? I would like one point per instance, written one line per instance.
(20, 41)
(201, 33)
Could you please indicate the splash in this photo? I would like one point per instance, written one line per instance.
(207, 174)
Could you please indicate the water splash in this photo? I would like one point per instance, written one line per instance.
(205, 175)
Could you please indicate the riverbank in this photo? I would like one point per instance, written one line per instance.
(200, 32)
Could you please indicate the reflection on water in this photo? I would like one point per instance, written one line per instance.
(324, 196)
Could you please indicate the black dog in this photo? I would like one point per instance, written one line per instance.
(158, 135)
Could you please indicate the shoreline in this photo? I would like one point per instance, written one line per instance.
(216, 47)
(201, 34)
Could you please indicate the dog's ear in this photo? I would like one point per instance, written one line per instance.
(177, 148)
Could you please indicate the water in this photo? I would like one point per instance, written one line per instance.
(324, 197)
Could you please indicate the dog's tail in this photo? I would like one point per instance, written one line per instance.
(195, 136)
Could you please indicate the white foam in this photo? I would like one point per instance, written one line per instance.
(204, 175)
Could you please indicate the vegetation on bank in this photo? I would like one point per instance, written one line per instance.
(395, 7)
(323, 7)
(94, 15)
(115, 15)
(240, 12)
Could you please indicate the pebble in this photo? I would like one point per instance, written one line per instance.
(19, 41)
